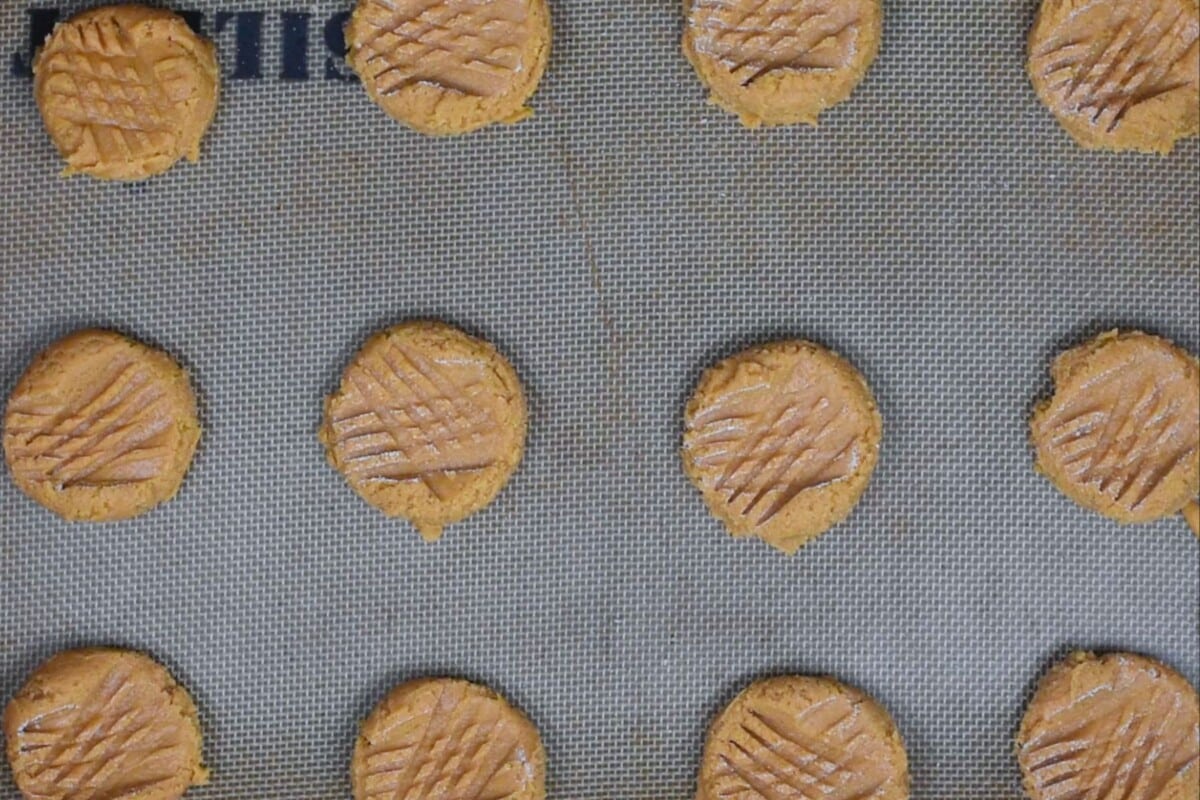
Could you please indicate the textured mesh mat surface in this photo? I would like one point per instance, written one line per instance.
(939, 230)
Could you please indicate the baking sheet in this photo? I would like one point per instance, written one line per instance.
(938, 229)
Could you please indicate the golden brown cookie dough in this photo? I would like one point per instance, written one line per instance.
(1117, 725)
(103, 724)
(1121, 435)
(450, 66)
(125, 91)
(100, 427)
(428, 424)
(1119, 74)
(447, 738)
(796, 736)
(780, 62)
(781, 440)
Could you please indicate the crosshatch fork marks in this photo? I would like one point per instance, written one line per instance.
(92, 746)
(769, 449)
(1112, 744)
(756, 37)
(1123, 435)
(116, 435)
(458, 45)
(1105, 70)
(411, 419)
(457, 745)
(119, 98)
(820, 755)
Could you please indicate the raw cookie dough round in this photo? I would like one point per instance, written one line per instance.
(102, 724)
(1119, 74)
(1117, 725)
(789, 730)
(435, 733)
(428, 424)
(780, 62)
(125, 91)
(781, 440)
(100, 427)
(450, 66)
(1121, 435)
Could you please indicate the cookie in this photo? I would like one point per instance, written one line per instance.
(1117, 725)
(798, 736)
(101, 724)
(428, 424)
(1119, 74)
(125, 91)
(781, 62)
(443, 738)
(1121, 435)
(781, 440)
(100, 427)
(450, 66)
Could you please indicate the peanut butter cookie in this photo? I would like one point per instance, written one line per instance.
(781, 441)
(103, 724)
(780, 62)
(1121, 435)
(428, 424)
(447, 738)
(125, 91)
(450, 66)
(1119, 74)
(796, 736)
(100, 427)
(1117, 725)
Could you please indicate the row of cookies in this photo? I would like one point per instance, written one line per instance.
(108, 723)
(429, 423)
(126, 91)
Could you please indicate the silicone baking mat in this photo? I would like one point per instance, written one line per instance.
(938, 229)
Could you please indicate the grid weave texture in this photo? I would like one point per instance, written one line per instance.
(939, 230)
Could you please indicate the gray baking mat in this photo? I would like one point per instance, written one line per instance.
(938, 229)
